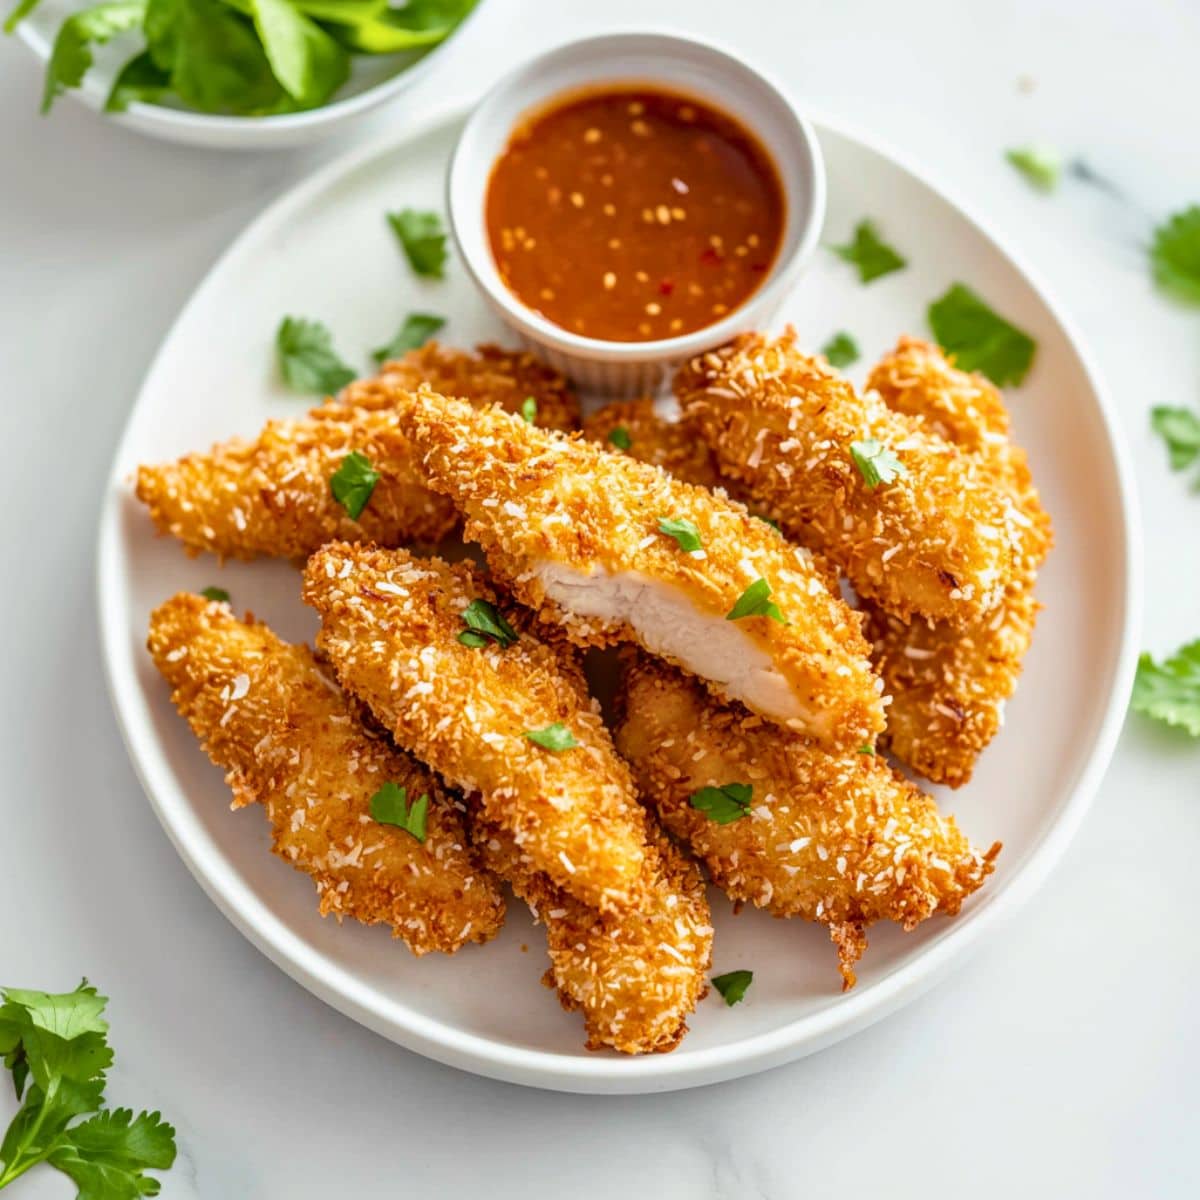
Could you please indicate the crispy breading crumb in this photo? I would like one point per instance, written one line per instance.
(654, 440)
(265, 712)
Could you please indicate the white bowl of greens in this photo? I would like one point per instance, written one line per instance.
(237, 74)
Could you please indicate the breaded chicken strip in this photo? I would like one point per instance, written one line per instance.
(391, 626)
(490, 375)
(576, 533)
(635, 975)
(948, 685)
(845, 841)
(642, 434)
(938, 539)
(272, 496)
(264, 711)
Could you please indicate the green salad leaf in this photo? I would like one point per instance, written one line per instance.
(71, 55)
(307, 359)
(1175, 255)
(979, 338)
(1170, 691)
(141, 79)
(308, 63)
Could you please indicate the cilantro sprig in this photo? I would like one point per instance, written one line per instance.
(1170, 691)
(876, 463)
(307, 359)
(56, 1048)
(733, 985)
(555, 737)
(423, 240)
(683, 531)
(756, 601)
(725, 804)
(841, 350)
(870, 254)
(353, 483)
(485, 623)
(417, 329)
(979, 338)
(1175, 255)
(390, 806)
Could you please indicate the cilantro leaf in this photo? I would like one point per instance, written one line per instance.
(620, 438)
(1180, 429)
(723, 804)
(417, 329)
(980, 339)
(353, 482)
(841, 350)
(1175, 255)
(733, 985)
(484, 624)
(18, 14)
(529, 410)
(869, 253)
(390, 806)
(1170, 692)
(556, 737)
(866, 749)
(424, 240)
(683, 531)
(1040, 165)
(108, 1154)
(71, 56)
(755, 601)
(140, 79)
(220, 595)
(307, 359)
(876, 463)
(309, 64)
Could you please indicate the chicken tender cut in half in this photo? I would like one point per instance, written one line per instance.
(635, 975)
(633, 427)
(272, 496)
(396, 631)
(580, 536)
(949, 685)
(845, 841)
(490, 375)
(287, 738)
(913, 522)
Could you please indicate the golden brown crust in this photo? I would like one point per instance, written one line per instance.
(654, 440)
(634, 975)
(938, 541)
(264, 711)
(845, 841)
(534, 499)
(390, 626)
(948, 686)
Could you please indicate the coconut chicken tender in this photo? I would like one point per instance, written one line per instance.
(393, 629)
(845, 841)
(284, 733)
(948, 685)
(636, 974)
(633, 427)
(938, 538)
(578, 535)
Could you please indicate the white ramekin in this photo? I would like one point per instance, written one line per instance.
(682, 65)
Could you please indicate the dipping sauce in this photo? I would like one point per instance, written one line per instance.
(633, 214)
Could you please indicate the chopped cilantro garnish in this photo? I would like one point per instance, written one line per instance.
(220, 595)
(1170, 692)
(1180, 429)
(484, 624)
(733, 985)
(554, 737)
(307, 359)
(869, 253)
(529, 410)
(390, 806)
(417, 329)
(424, 240)
(620, 438)
(980, 339)
(58, 1046)
(876, 463)
(1040, 165)
(841, 350)
(353, 482)
(756, 601)
(866, 750)
(1175, 255)
(724, 804)
(683, 531)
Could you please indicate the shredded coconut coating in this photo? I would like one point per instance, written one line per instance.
(841, 840)
(939, 541)
(654, 440)
(948, 686)
(490, 375)
(390, 626)
(533, 498)
(634, 975)
(284, 733)
(271, 496)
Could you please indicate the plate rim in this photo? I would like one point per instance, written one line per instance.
(487, 1056)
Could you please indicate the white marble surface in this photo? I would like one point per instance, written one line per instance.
(1063, 1060)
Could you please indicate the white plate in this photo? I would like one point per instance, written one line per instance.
(324, 251)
